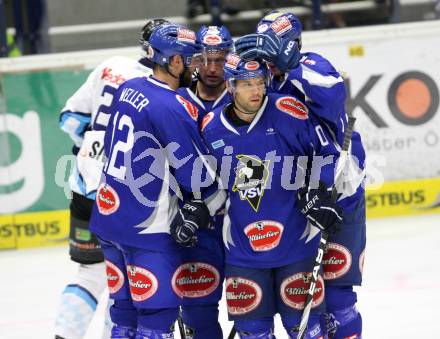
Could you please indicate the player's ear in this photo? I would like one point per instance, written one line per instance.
(176, 61)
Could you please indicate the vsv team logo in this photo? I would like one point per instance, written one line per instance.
(251, 178)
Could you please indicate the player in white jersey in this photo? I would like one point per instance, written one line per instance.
(85, 118)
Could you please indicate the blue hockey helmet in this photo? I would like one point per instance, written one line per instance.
(214, 38)
(168, 40)
(237, 69)
(284, 24)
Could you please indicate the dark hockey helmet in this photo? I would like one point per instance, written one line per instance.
(168, 40)
(283, 24)
(145, 33)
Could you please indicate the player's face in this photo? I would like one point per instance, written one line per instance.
(211, 69)
(249, 94)
(274, 69)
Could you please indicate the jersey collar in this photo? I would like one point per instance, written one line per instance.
(231, 128)
(220, 98)
(159, 83)
(259, 114)
(195, 97)
(200, 102)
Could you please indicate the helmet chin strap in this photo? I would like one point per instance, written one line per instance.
(167, 68)
(180, 77)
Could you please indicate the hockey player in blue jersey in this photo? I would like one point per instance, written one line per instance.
(85, 117)
(208, 89)
(151, 145)
(313, 78)
(262, 144)
(206, 257)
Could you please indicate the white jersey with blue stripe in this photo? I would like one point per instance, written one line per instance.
(86, 115)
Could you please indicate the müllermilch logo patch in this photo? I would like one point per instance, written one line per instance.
(281, 26)
(336, 261)
(107, 199)
(251, 65)
(115, 278)
(206, 120)
(251, 175)
(195, 280)
(186, 35)
(264, 235)
(242, 295)
(192, 110)
(232, 61)
(295, 288)
(143, 283)
(293, 107)
(212, 40)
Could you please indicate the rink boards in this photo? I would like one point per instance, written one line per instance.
(399, 198)
(400, 131)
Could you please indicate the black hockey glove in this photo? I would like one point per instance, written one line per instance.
(318, 207)
(193, 215)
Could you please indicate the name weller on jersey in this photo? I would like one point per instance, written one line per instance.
(134, 98)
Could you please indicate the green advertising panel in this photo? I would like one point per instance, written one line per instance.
(36, 99)
(32, 144)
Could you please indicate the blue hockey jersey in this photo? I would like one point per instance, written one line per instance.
(205, 106)
(317, 83)
(262, 165)
(153, 146)
(321, 87)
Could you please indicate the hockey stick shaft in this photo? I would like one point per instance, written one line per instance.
(323, 241)
(181, 325)
(232, 333)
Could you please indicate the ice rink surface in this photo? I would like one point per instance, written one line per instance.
(400, 297)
